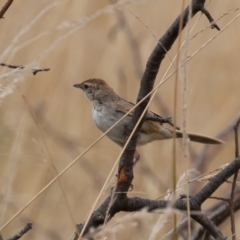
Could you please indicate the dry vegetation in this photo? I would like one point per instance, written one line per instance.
(46, 123)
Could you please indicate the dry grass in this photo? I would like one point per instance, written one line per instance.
(79, 40)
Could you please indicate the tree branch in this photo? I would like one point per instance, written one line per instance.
(218, 216)
(21, 232)
(231, 201)
(125, 171)
(5, 8)
(33, 70)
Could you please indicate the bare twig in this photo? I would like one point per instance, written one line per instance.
(220, 198)
(208, 153)
(210, 19)
(21, 232)
(236, 138)
(231, 202)
(34, 70)
(219, 213)
(5, 8)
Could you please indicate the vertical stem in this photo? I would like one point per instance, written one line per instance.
(174, 172)
(184, 83)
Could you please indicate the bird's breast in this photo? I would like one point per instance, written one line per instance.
(100, 119)
(104, 118)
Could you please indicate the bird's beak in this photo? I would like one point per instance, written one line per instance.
(78, 85)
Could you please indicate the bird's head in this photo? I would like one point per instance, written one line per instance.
(95, 89)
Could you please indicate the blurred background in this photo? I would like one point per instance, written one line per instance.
(45, 123)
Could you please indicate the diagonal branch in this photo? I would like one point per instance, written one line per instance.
(231, 202)
(5, 8)
(34, 70)
(219, 214)
(210, 19)
(18, 235)
(218, 179)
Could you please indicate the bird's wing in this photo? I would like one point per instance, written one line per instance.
(124, 106)
(148, 126)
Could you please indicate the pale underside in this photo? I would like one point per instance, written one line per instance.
(105, 116)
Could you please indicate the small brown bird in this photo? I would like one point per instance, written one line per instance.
(108, 108)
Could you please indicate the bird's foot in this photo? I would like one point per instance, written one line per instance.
(162, 120)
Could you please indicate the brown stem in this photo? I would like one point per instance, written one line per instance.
(231, 202)
(21, 232)
(5, 8)
(34, 70)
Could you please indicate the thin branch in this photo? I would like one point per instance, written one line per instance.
(21, 232)
(210, 226)
(34, 70)
(218, 215)
(5, 8)
(220, 198)
(236, 127)
(208, 153)
(210, 18)
(217, 180)
(231, 202)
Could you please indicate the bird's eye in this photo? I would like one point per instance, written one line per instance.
(85, 86)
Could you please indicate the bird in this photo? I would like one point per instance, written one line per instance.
(108, 107)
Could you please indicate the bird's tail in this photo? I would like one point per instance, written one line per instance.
(195, 137)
